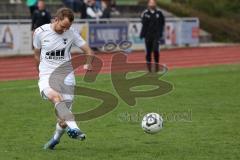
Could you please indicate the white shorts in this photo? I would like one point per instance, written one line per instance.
(44, 86)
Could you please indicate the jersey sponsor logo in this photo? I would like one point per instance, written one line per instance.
(55, 55)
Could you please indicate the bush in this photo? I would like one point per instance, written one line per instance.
(222, 29)
(219, 8)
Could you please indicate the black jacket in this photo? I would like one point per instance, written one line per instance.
(40, 18)
(152, 24)
(106, 13)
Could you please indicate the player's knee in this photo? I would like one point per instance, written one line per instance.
(62, 124)
(55, 98)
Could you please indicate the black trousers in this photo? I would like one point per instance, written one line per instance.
(152, 46)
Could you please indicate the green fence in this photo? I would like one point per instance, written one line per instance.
(127, 2)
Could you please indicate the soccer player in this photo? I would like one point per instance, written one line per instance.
(153, 23)
(52, 43)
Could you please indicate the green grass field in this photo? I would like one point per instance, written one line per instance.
(207, 98)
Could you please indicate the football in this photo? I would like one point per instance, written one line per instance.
(152, 123)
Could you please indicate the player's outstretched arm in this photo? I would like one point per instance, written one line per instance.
(90, 56)
(37, 53)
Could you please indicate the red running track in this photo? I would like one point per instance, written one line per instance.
(16, 68)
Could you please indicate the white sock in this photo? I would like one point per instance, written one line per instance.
(72, 124)
(59, 132)
(65, 113)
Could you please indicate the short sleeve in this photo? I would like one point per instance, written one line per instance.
(36, 39)
(77, 39)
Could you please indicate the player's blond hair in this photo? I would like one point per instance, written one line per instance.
(65, 12)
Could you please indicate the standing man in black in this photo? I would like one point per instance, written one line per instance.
(40, 16)
(153, 23)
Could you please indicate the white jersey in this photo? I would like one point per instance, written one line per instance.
(55, 48)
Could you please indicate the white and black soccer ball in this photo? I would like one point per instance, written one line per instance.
(152, 123)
